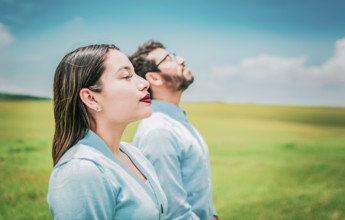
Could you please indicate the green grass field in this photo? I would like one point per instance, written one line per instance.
(268, 162)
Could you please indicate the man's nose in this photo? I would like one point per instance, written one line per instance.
(180, 60)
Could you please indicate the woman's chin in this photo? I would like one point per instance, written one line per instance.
(145, 114)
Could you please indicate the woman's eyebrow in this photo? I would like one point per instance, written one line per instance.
(124, 68)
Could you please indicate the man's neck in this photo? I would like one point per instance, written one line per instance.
(173, 98)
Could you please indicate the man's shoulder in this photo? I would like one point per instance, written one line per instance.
(160, 125)
(159, 120)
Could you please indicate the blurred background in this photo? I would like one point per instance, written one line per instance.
(268, 96)
(247, 51)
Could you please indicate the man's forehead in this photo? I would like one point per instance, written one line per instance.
(157, 54)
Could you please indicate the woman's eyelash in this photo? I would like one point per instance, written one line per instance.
(128, 76)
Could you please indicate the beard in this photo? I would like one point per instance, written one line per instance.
(177, 83)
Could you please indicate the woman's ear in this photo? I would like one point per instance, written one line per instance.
(155, 79)
(88, 98)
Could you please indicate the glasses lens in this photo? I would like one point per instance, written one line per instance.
(168, 55)
(173, 56)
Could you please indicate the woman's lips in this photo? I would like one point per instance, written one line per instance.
(146, 98)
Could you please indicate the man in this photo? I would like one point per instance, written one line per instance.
(168, 140)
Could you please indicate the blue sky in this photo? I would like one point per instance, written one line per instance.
(246, 51)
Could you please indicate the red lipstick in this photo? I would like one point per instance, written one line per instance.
(146, 98)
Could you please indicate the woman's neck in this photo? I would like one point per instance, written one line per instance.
(111, 136)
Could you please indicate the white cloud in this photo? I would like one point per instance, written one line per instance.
(13, 87)
(334, 68)
(282, 80)
(9, 87)
(5, 36)
(263, 67)
(293, 70)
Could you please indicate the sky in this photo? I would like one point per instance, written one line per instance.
(240, 51)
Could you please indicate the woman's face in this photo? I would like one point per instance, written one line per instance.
(124, 97)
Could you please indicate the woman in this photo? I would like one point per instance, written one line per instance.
(95, 176)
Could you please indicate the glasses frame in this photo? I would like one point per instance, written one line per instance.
(171, 55)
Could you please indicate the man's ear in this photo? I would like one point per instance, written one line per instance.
(88, 98)
(155, 79)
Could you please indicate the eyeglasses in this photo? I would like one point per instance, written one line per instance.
(172, 56)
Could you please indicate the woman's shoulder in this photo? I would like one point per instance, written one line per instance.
(74, 172)
(79, 154)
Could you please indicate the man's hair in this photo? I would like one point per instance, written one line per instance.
(141, 64)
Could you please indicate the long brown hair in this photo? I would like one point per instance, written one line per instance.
(81, 68)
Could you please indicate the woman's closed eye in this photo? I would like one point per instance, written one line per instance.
(128, 76)
(126, 73)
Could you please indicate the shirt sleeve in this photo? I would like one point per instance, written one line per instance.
(79, 190)
(164, 152)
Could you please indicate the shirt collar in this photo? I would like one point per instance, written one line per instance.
(172, 110)
(93, 140)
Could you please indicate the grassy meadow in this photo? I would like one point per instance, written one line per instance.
(268, 162)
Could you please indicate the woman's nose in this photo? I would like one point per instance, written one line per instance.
(143, 84)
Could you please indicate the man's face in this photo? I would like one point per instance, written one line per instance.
(173, 70)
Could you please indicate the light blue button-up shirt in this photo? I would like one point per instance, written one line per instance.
(180, 157)
(89, 182)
